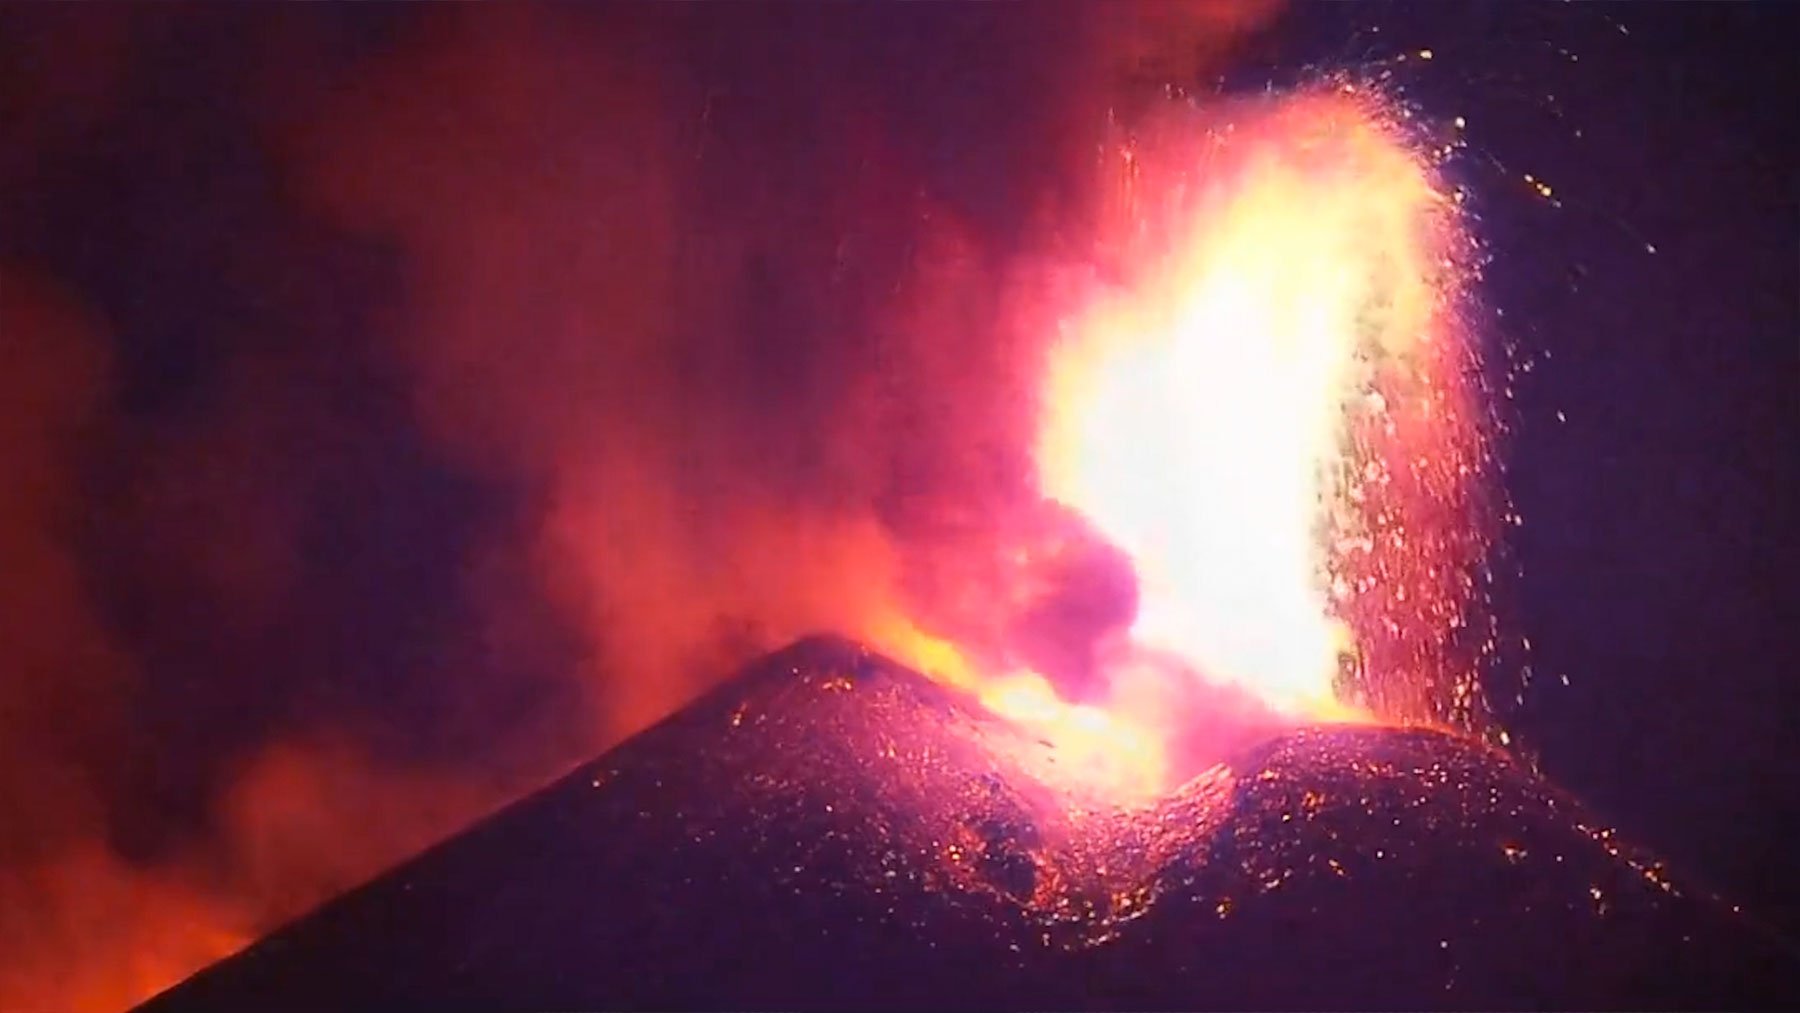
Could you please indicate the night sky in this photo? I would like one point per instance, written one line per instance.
(327, 326)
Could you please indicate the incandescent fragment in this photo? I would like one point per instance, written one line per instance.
(831, 830)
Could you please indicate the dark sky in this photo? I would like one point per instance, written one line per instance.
(1657, 549)
(254, 502)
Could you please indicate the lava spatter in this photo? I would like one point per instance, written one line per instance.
(1267, 396)
(877, 841)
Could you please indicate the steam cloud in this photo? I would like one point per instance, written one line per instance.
(470, 391)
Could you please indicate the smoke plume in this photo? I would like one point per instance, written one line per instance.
(403, 405)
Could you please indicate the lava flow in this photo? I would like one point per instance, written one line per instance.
(1261, 395)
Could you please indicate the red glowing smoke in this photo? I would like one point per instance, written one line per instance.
(737, 357)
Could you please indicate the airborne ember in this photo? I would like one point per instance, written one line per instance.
(405, 404)
(880, 844)
(1259, 393)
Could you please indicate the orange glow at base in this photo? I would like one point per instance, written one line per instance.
(140, 932)
(1110, 750)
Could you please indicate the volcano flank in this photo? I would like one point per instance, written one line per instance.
(831, 830)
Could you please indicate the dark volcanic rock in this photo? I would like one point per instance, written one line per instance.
(833, 831)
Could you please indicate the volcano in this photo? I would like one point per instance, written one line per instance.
(833, 830)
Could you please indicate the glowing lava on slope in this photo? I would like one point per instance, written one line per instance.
(1262, 395)
(830, 830)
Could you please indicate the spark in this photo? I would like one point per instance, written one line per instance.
(1262, 401)
(1276, 376)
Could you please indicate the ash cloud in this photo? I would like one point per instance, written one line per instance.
(405, 404)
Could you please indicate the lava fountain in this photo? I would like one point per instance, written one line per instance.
(1261, 392)
(1262, 402)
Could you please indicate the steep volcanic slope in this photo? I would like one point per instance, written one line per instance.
(832, 830)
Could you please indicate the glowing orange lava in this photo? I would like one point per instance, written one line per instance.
(1262, 280)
